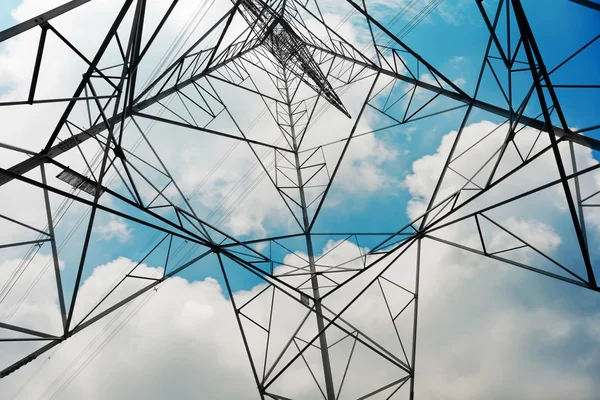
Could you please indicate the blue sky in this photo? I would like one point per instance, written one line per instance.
(455, 47)
(453, 41)
(6, 19)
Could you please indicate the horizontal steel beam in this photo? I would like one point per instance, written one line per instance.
(482, 105)
(587, 3)
(40, 19)
(40, 158)
(33, 162)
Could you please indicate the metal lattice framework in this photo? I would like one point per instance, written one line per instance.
(288, 57)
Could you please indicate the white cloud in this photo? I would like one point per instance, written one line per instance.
(473, 338)
(183, 342)
(460, 82)
(477, 340)
(115, 228)
(456, 60)
(474, 163)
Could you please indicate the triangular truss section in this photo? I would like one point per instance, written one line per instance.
(278, 95)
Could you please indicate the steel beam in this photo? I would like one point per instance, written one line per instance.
(40, 19)
(33, 162)
(310, 251)
(587, 3)
(468, 100)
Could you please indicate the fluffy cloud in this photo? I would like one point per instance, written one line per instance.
(477, 152)
(229, 197)
(476, 339)
(191, 344)
(182, 340)
(114, 229)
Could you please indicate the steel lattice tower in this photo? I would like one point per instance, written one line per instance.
(296, 65)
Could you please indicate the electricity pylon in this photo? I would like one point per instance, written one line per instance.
(306, 322)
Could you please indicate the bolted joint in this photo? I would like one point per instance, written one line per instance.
(420, 234)
(118, 150)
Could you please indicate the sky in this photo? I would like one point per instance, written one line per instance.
(487, 329)
(7, 20)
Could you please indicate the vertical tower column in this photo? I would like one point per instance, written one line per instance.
(330, 391)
